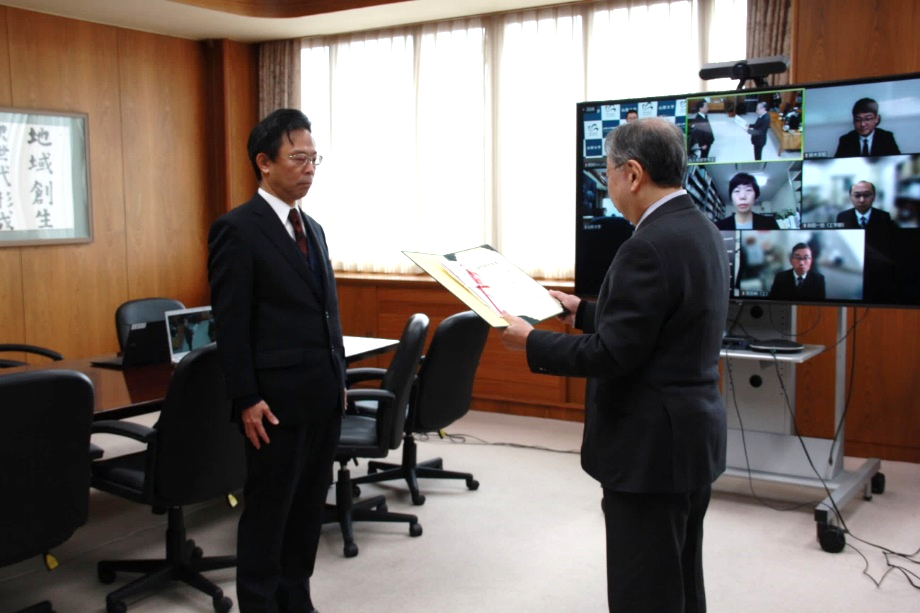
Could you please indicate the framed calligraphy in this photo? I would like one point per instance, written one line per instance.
(44, 178)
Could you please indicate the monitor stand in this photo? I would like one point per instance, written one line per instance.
(775, 345)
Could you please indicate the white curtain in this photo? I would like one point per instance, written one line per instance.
(450, 135)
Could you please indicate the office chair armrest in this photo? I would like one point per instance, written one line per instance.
(385, 400)
(379, 396)
(48, 353)
(138, 432)
(358, 375)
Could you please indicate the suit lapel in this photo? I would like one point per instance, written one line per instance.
(269, 224)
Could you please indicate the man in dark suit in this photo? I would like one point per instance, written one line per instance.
(701, 130)
(280, 340)
(655, 431)
(867, 139)
(758, 129)
(801, 282)
(863, 216)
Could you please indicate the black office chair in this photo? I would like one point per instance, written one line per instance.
(46, 427)
(21, 348)
(441, 396)
(140, 311)
(193, 454)
(366, 436)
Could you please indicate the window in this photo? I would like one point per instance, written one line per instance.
(448, 135)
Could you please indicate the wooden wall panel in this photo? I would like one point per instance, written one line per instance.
(12, 322)
(67, 65)
(503, 382)
(147, 99)
(844, 39)
(166, 152)
(241, 72)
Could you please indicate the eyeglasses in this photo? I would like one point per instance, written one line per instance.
(863, 195)
(801, 258)
(301, 159)
(868, 118)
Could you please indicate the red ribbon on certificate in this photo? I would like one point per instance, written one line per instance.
(481, 287)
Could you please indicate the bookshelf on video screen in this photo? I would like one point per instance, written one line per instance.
(815, 188)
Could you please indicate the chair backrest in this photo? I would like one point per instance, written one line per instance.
(400, 378)
(445, 379)
(140, 311)
(200, 453)
(44, 455)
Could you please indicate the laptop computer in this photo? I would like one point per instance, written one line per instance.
(188, 329)
(144, 346)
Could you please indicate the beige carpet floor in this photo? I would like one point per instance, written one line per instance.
(529, 540)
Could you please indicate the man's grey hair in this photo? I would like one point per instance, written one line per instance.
(656, 144)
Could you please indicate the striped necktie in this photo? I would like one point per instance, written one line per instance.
(299, 236)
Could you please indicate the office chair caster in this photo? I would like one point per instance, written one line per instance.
(878, 483)
(105, 572)
(415, 529)
(193, 551)
(831, 537)
(472, 484)
(222, 604)
(355, 491)
(418, 499)
(876, 486)
(115, 606)
(350, 550)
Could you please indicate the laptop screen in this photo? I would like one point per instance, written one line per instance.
(189, 329)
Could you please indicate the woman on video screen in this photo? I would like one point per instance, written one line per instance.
(744, 193)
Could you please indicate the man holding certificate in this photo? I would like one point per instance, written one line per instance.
(655, 430)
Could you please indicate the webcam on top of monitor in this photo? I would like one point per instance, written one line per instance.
(755, 69)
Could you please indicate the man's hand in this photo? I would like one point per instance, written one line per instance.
(515, 335)
(569, 303)
(252, 423)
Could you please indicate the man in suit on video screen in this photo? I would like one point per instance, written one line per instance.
(866, 139)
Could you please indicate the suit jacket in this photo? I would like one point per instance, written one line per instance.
(761, 222)
(759, 129)
(278, 328)
(654, 418)
(883, 143)
(701, 131)
(784, 288)
(878, 219)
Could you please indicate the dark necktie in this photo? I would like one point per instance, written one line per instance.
(799, 282)
(862, 221)
(299, 236)
(865, 147)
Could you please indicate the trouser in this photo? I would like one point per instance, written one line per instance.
(279, 529)
(655, 551)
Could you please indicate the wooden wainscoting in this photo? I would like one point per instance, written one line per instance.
(373, 305)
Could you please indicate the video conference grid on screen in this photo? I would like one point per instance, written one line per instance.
(816, 188)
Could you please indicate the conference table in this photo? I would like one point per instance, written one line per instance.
(135, 390)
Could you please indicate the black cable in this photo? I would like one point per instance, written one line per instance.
(794, 333)
(463, 438)
(731, 328)
(747, 461)
(849, 394)
(795, 430)
(836, 510)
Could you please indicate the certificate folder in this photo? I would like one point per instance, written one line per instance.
(488, 283)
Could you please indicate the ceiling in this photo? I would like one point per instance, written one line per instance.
(181, 19)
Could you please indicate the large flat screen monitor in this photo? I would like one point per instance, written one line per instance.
(816, 188)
